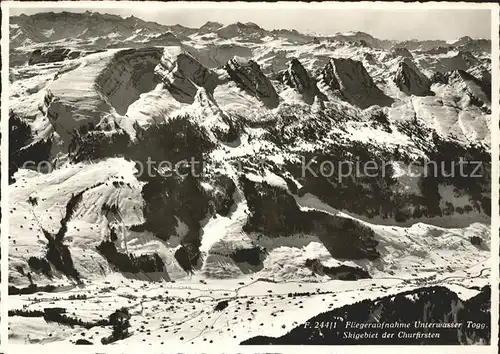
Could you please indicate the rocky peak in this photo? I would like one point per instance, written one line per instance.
(329, 76)
(297, 77)
(401, 52)
(162, 39)
(369, 58)
(478, 92)
(463, 40)
(249, 31)
(249, 77)
(247, 25)
(182, 74)
(410, 80)
(51, 56)
(351, 79)
(210, 27)
(438, 50)
(359, 38)
(467, 57)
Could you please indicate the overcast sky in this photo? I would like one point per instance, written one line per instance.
(383, 23)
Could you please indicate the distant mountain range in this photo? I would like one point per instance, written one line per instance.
(51, 27)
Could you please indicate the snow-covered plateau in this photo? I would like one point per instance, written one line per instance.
(264, 239)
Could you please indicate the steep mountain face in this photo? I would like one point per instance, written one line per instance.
(249, 77)
(320, 167)
(182, 75)
(297, 77)
(107, 82)
(361, 38)
(454, 60)
(51, 56)
(473, 44)
(249, 31)
(479, 91)
(352, 80)
(401, 52)
(410, 80)
(210, 27)
(421, 45)
(465, 89)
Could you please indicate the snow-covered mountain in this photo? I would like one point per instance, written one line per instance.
(199, 178)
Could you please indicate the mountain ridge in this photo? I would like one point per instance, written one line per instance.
(136, 22)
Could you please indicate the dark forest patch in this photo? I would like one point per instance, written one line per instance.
(123, 262)
(275, 213)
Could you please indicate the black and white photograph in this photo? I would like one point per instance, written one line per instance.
(256, 175)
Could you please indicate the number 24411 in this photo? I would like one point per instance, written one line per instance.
(321, 325)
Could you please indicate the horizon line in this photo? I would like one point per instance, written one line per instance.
(96, 10)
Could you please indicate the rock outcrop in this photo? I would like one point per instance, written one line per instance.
(212, 117)
(108, 83)
(249, 77)
(473, 44)
(350, 78)
(130, 73)
(421, 45)
(401, 52)
(410, 80)
(210, 26)
(438, 50)
(249, 31)
(478, 92)
(463, 60)
(464, 85)
(362, 38)
(182, 74)
(370, 58)
(297, 77)
(51, 56)
(162, 39)
(341, 272)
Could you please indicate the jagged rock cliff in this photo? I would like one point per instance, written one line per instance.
(129, 74)
(249, 31)
(107, 83)
(54, 55)
(410, 80)
(297, 77)
(352, 80)
(249, 77)
(401, 52)
(478, 92)
(182, 74)
(210, 27)
(162, 39)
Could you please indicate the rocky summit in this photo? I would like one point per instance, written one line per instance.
(410, 80)
(230, 183)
